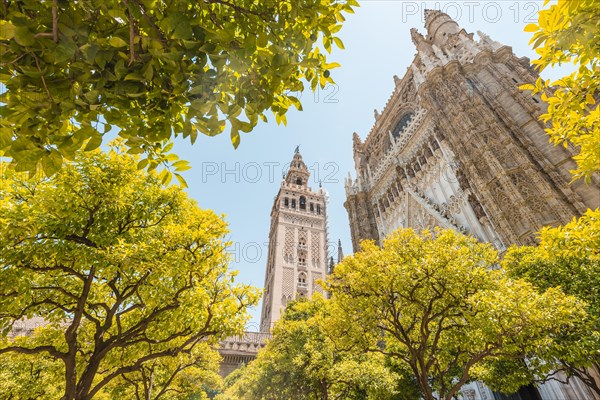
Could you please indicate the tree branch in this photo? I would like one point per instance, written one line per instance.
(55, 21)
(34, 350)
(131, 33)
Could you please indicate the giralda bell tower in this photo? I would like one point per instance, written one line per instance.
(297, 257)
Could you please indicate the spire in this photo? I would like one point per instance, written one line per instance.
(417, 38)
(340, 252)
(298, 173)
(356, 140)
(487, 41)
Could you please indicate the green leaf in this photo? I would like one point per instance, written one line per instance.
(181, 165)
(94, 142)
(261, 41)
(339, 42)
(142, 164)
(235, 138)
(64, 51)
(182, 181)
(116, 41)
(134, 76)
(165, 177)
(7, 30)
(52, 163)
(5, 137)
(23, 36)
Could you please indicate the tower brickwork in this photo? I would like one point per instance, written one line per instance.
(297, 257)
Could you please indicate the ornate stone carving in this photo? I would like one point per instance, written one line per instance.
(469, 394)
(315, 247)
(288, 249)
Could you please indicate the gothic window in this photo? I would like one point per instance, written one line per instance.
(470, 85)
(286, 202)
(402, 123)
(302, 203)
(298, 181)
(293, 203)
(318, 209)
(428, 152)
(312, 207)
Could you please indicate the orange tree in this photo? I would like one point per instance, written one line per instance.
(437, 305)
(126, 272)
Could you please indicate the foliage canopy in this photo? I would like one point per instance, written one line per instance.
(437, 304)
(568, 257)
(302, 362)
(567, 32)
(154, 70)
(125, 271)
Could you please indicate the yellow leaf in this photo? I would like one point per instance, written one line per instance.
(531, 28)
(590, 99)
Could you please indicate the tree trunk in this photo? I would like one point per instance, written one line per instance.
(425, 389)
(70, 379)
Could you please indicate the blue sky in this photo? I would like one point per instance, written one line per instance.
(242, 183)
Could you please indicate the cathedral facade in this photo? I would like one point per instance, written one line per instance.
(459, 145)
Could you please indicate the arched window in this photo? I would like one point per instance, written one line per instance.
(402, 124)
(293, 203)
(286, 202)
(298, 181)
(318, 209)
(302, 277)
(312, 207)
(302, 203)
